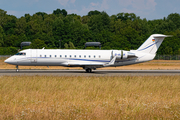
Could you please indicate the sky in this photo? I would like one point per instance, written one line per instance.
(149, 9)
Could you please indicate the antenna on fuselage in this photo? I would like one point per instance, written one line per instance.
(43, 48)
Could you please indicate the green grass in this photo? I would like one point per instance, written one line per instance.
(50, 97)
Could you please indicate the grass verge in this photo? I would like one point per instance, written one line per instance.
(50, 97)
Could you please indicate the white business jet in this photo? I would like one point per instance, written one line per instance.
(88, 59)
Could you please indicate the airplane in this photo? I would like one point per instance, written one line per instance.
(88, 59)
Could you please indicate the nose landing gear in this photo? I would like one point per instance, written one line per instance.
(17, 69)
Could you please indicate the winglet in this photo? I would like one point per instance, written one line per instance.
(111, 62)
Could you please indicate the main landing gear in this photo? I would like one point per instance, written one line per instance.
(88, 70)
(17, 69)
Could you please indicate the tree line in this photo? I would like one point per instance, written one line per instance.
(123, 31)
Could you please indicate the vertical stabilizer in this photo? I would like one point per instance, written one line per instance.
(152, 44)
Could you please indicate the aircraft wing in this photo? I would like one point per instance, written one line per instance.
(82, 64)
(111, 62)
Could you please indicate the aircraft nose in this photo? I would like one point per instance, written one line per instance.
(9, 61)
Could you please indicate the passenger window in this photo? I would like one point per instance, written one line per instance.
(40, 55)
(65, 55)
(44, 55)
(55, 55)
(94, 56)
(89, 56)
(70, 56)
(80, 56)
(60, 55)
(49, 55)
(84, 56)
(99, 56)
(74, 55)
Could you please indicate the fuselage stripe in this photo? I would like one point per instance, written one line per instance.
(148, 46)
(69, 59)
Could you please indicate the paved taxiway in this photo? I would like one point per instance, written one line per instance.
(94, 73)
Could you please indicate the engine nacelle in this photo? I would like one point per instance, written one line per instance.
(122, 54)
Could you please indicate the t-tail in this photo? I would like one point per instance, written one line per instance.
(152, 44)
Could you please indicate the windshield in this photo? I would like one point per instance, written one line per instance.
(20, 53)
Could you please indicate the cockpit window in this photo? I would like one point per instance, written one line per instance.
(20, 53)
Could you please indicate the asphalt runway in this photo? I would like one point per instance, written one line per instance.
(94, 72)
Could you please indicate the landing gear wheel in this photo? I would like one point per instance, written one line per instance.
(88, 70)
(17, 69)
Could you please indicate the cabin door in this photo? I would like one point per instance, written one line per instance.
(33, 56)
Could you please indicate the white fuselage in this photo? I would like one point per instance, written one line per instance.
(77, 58)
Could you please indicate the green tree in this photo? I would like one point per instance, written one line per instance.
(38, 44)
(58, 11)
(168, 50)
(66, 46)
(175, 18)
(127, 16)
(94, 13)
(179, 51)
(71, 45)
(99, 22)
(47, 26)
(118, 27)
(3, 15)
(43, 14)
(58, 30)
(10, 40)
(85, 19)
(64, 12)
(1, 36)
(35, 25)
(122, 31)
(20, 26)
(27, 17)
(131, 34)
(10, 24)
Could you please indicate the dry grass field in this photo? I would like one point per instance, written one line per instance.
(152, 65)
(50, 97)
(128, 97)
